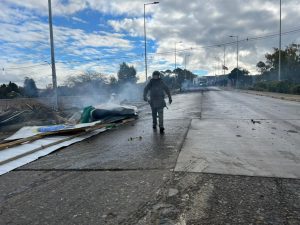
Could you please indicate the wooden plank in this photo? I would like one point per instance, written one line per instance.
(90, 129)
(60, 132)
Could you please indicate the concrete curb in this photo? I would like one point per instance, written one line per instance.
(282, 96)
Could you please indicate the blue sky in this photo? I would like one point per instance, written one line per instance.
(98, 35)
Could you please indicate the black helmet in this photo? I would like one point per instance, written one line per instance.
(156, 73)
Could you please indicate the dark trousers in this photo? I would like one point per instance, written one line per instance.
(160, 113)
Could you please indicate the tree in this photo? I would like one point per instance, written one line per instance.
(12, 87)
(237, 74)
(88, 77)
(30, 89)
(169, 81)
(127, 74)
(3, 91)
(88, 83)
(290, 63)
(261, 67)
(113, 83)
(178, 78)
(11, 90)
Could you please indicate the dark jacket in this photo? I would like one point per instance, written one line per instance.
(157, 90)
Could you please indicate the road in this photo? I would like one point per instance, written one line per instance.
(226, 158)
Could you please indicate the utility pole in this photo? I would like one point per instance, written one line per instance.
(175, 58)
(237, 61)
(145, 37)
(175, 52)
(237, 58)
(54, 81)
(185, 65)
(145, 41)
(224, 61)
(223, 67)
(279, 53)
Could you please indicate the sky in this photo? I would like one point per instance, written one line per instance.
(98, 35)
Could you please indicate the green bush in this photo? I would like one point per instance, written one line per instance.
(261, 86)
(296, 89)
(277, 86)
(273, 86)
(283, 87)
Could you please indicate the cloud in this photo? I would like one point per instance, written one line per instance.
(202, 23)
(41, 7)
(70, 7)
(132, 26)
(197, 24)
(78, 19)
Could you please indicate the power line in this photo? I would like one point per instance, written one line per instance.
(23, 67)
(229, 43)
(137, 56)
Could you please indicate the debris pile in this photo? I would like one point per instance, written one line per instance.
(37, 114)
(31, 142)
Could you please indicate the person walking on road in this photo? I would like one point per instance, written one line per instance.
(157, 89)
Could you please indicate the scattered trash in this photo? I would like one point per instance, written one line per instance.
(134, 138)
(105, 112)
(185, 197)
(30, 115)
(31, 142)
(255, 121)
(292, 131)
(7, 117)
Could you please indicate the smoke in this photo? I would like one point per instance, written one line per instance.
(186, 85)
(130, 92)
(124, 93)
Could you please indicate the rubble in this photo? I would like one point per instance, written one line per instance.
(32, 142)
(39, 114)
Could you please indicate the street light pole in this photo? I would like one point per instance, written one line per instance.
(223, 67)
(145, 37)
(237, 58)
(224, 61)
(217, 68)
(185, 65)
(279, 53)
(145, 41)
(175, 52)
(54, 81)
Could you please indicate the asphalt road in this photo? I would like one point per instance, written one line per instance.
(119, 178)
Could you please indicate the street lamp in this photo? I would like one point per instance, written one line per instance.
(185, 56)
(237, 58)
(279, 53)
(145, 38)
(223, 67)
(175, 52)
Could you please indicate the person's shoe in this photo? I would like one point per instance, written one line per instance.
(154, 127)
(162, 130)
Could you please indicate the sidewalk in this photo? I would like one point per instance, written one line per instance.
(283, 96)
(276, 95)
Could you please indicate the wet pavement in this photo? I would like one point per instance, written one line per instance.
(131, 147)
(102, 180)
(244, 135)
(125, 176)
